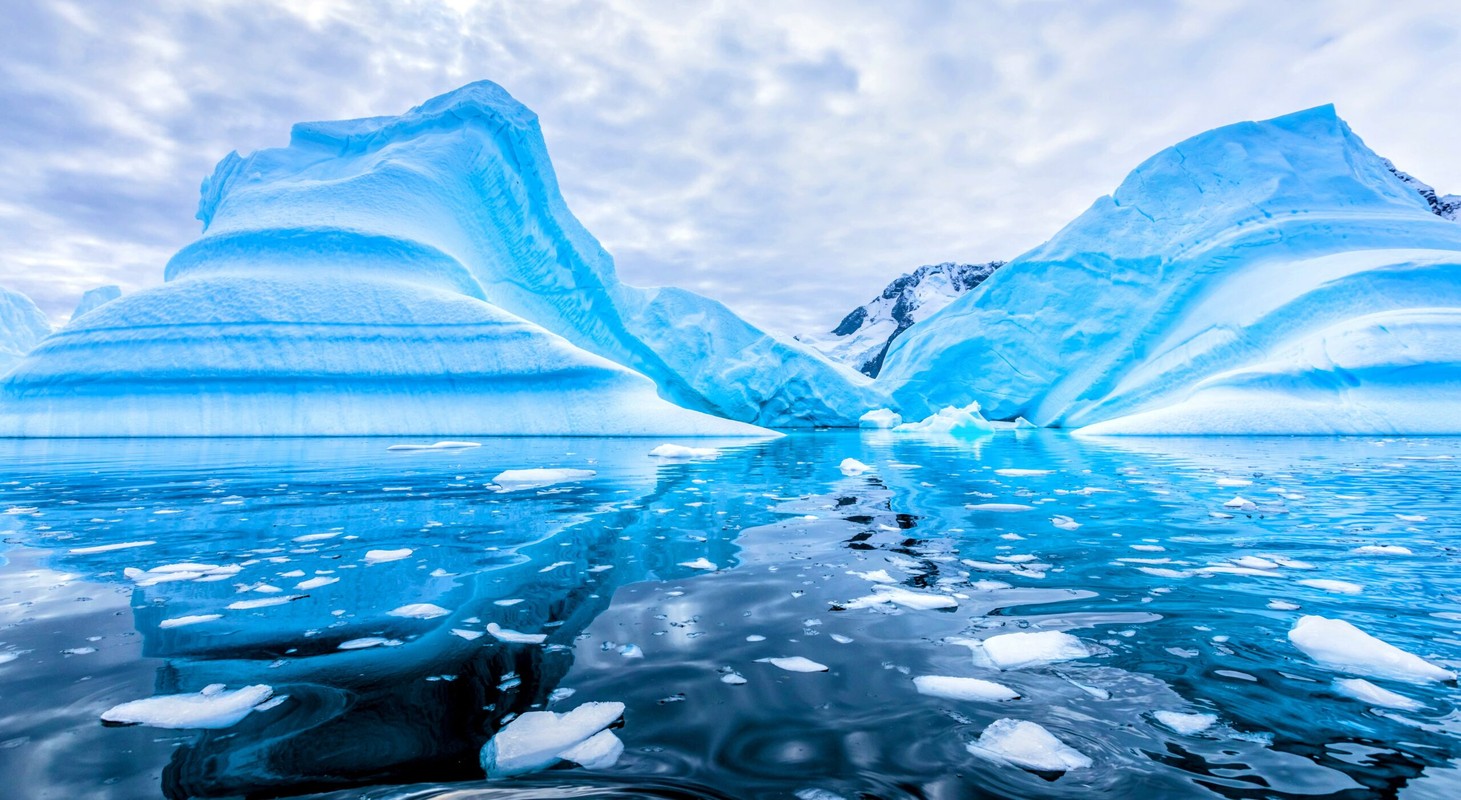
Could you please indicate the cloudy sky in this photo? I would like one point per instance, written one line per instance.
(786, 158)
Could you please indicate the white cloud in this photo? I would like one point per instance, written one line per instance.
(788, 159)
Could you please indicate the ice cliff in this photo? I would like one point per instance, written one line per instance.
(1264, 277)
(416, 274)
(862, 338)
(22, 326)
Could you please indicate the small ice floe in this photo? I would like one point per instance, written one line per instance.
(1401, 517)
(1339, 645)
(1012, 472)
(1383, 550)
(793, 664)
(700, 563)
(1186, 724)
(1018, 650)
(516, 480)
(193, 619)
(555, 565)
(680, 452)
(1240, 502)
(1328, 585)
(1366, 692)
(1027, 744)
(755, 637)
(214, 707)
(435, 446)
(366, 642)
(840, 639)
(419, 611)
(539, 739)
(107, 548)
(960, 423)
(1282, 605)
(951, 688)
(733, 679)
(502, 634)
(1231, 482)
(876, 576)
(881, 418)
(469, 635)
(1064, 523)
(172, 573)
(383, 556)
(321, 580)
(314, 537)
(511, 601)
(263, 602)
(630, 651)
(851, 467)
(904, 598)
(998, 508)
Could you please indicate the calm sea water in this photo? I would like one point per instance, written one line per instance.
(1125, 544)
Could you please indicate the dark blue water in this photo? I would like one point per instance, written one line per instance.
(602, 567)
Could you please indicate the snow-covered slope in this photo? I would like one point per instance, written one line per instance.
(96, 298)
(22, 326)
(364, 280)
(1264, 277)
(463, 187)
(862, 338)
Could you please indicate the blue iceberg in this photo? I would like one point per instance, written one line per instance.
(96, 298)
(22, 326)
(418, 274)
(1264, 277)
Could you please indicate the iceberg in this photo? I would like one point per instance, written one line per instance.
(411, 275)
(96, 298)
(1267, 277)
(22, 326)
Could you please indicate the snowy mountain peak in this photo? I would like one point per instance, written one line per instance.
(862, 338)
(1444, 206)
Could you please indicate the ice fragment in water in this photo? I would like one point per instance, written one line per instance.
(700, 563)
(1339, 645)
(953, 688)
(214, 707)
(192, 619)
(679, 451)
(1338, 587)
(880, 418)
(419, 611)
(794, 664)
(1186, 724)
(1027, 744)
(515, 480)
(1017, 650)
(1366, 692)
(514, 637)
(851, 467)
(382, 556)
(539, 739)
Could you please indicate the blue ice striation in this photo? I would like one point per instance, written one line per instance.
(1264, 277)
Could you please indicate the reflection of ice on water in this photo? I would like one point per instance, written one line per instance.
(1136, 620)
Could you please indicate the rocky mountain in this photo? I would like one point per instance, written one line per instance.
(1444, 206)
(862, 338)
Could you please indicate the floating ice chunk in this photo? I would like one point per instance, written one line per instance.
(755, 637)
(322, 580)
(1027, 744)
(214, 707)
(1383, 550)
(840, 639)
(511, 601)
(1064, 523)
(700, 563)
(1017, 650)
(631, 651)
(998, 507)
(555, 565)
(600, 751)
(466, 634)
(1339, 645)
(679, 451)
(419, 611)
(1254, 562)
(382, 556)
(539, 739)
(961, 423)
(1366, 692)
(953, 688)
(315, 537)
(1186, 724)
(1231, 482)
(263, 602)
(876, 576)
(516, 480)
(107, 548)
(366, 642)
(1240, 502)
(1012, 472)
(1282, 605)
(905, 598)
(851, 466)
(794, 664)
(1405, 518)
(436, 446)
(193, 619)
(880, 418)
(502, 634)
(733, 678)
(1338, 587)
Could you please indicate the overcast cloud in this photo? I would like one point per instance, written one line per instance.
(786, 158)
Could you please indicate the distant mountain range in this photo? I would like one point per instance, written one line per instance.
(862, 338)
